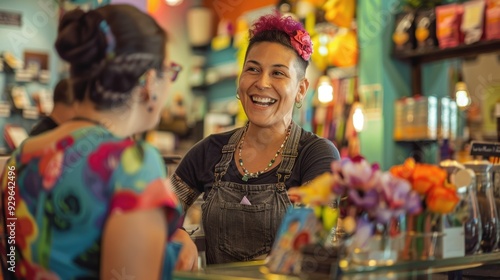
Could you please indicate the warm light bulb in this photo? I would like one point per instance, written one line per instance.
(462, 96)
(325, 90)
(173, 2)
(325, 93)
(323, 41)
(358, 119)
(323, 50)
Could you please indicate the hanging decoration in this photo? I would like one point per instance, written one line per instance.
(343, 49)
(340, 12)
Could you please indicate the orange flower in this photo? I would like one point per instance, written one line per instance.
(405, 170)
(427, 176)
(442, 200)
(430, 181)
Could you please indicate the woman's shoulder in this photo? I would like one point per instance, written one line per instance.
(214, 141)
(308, 137)
(312, 142)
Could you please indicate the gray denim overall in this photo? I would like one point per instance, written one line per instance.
(239, 232)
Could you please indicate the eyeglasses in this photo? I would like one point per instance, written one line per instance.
(172, 71)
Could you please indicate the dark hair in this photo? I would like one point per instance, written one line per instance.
(63, 93)
(280, 37)
(109, 49)
(274, 28)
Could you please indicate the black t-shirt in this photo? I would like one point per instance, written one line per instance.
(45, 124)
(196, 170)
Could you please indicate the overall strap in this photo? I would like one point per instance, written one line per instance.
(227, 155)
(288, 156)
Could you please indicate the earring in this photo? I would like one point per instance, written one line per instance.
(238, 96)
(298, 104)
(153, 100)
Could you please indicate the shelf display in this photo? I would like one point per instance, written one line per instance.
(451, 19)
(492, 29)
(20, 97)
(404, 32)
(473, 21)
(448, 19)
(425, 29)
(14, 135)
(12, 61)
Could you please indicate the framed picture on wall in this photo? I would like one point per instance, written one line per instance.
(35, 62)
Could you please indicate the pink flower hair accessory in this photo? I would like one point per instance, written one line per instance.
(299, 37)
(301, 41)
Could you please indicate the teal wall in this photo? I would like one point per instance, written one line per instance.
(38, 34)
(376, 66)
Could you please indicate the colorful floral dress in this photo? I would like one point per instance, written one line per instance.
(64, 193)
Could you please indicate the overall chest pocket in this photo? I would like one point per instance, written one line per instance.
(245, 230)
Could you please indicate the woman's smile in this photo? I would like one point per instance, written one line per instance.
(263, 101)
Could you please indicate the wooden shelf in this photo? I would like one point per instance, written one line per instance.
(429, 55)
(417, 57)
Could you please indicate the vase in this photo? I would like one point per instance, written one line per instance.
(422, 245)
(375, 245)
(423, 237)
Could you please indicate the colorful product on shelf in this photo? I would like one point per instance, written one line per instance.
(416, 119)
(425, 29)
(448, 18)
(492, 26)
(404, 33)
(473, 21)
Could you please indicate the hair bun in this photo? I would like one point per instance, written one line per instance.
(79, 39)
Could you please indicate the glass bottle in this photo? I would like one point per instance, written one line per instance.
(496, 190)
(486, 201)
(464, 179)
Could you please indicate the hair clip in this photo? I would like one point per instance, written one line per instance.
(110, 39)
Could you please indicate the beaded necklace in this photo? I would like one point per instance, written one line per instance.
(249, 175)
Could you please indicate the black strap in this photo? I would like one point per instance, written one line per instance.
(227, 155)
(290, 153)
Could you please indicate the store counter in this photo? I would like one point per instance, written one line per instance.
(452, 269)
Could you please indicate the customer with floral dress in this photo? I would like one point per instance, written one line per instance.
(89, 202)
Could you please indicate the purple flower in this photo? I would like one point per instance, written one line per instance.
(364, 200)
(397, 198)
(357, 174)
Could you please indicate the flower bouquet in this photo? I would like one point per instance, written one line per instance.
(370, 203)
(374, 204)
(439, 204)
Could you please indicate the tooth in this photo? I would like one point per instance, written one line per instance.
(264, 99)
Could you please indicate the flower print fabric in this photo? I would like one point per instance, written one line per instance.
(65, 193)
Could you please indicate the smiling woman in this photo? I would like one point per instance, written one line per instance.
(245, 173)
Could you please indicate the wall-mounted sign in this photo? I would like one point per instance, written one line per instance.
(486, 149)
(10, 18)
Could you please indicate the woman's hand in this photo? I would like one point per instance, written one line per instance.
(188, 256)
